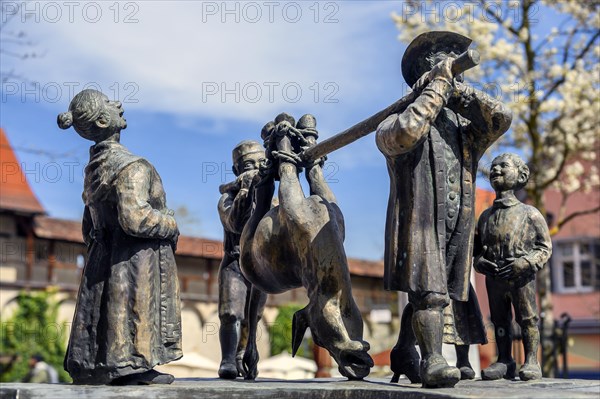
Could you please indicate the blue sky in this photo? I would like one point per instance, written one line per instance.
(198, 77)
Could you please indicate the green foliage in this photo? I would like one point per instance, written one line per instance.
(281, 332)
(33, 329)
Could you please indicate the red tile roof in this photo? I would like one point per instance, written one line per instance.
(15, 192)
(57, 229)
(199, 247)
(365, 268)
(70, 231)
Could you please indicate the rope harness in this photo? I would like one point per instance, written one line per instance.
(302, 138)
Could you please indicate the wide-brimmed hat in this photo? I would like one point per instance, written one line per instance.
(414, 61)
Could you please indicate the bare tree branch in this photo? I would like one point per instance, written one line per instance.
(565, 155)
(15, 44)
(497, 18)
(572, 216)
(549, 37)
(582, 54)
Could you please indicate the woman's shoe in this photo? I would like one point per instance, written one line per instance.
(149, 377)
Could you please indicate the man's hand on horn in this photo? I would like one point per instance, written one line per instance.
(442, 70)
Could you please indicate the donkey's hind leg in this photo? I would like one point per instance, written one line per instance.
(318, 185)
(250, 362)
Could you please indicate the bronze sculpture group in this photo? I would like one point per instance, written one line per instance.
(127, 318)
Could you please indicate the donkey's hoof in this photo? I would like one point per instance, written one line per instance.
(228, 371)
(405, 360)
(250, 363)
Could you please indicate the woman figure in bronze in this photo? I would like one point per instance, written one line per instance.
(127, 319)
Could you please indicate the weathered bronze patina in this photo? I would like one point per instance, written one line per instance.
(513, 244)
(432, 151)
(127, 319)
(235, 207)
(300, 244)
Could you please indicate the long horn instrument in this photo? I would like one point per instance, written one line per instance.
(462, 63)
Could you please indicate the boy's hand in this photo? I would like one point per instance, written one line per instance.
(248, 178)
(484, 266)
(514, 269)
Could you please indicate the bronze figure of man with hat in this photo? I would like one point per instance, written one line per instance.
(234, 208)
(432, 150)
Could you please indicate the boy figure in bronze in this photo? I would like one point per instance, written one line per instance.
(432, 151)
(235, 207)
(127, 319)
(515, 244)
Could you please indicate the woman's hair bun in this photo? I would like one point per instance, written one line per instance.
(65, 120)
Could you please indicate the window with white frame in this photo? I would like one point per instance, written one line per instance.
(576, 265)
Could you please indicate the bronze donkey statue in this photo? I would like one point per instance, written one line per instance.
(299, 243)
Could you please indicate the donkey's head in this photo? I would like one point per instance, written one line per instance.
(351, 356)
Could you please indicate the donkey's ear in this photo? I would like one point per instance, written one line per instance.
(299, 326)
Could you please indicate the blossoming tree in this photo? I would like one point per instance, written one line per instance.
(543, 58)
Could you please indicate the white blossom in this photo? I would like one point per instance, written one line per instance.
(561, 96)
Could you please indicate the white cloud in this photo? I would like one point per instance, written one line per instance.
(184, 55)
(170, 52)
